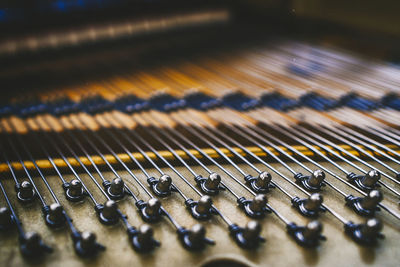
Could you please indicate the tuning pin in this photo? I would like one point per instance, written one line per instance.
(164, 183)
(197, 233)
(311, 206)
(202, 209)
(263, 180)
(116, 189)
(74, 190)
(204, 205)
(117, 186)
(371, 178)
(213, 181)
(150, 211)
(258, 204)
(252, 230)
(210, 185)
(142, 239)
(54, 215)
(248, 237)
(372, 228)
(145, 237)
(195, 238)
(86, 244)
(372, 200)
(161, 187)
(365, 205)
(365, 182)
(6, 219)
(313, 230)
(153, 207)
(255, 208)
(313, 182)
(88, 241)
(108, 213)
(32, 245)
(306, 236)
(260, 184)
(316, 178)
(25, 192)
(365, 234)
(314, 202)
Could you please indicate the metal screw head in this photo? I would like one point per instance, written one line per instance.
(110, 204)
(153, 206)
(75, 188)
(32, 240)
(164, 183)
(117, 186)
(76, 184)
(371, 178)
(263, 180)
(26, 189)
(88, 240)
(55, 211)
(317, 177)
(313, 229)
(110, 209)
(314, 201)
(88, 237)
(118, 182)
(145, 233)
(259, 202)
(165, 179)
(252, 230)
(204, 204)
(146, 230)
(376, 194)
(213, 181)
(373, 198)
(372, 227)
(197, 233)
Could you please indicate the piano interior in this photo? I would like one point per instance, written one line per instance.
(209, 133)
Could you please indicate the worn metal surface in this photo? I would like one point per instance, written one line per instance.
(279, 249)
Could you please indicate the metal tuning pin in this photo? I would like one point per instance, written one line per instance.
(25, 192)
(74, 191)
(367, 205)
(311, 206)
(313, 182)
(115, 189)
(247, 237)
(85, 244)
(260, 184)
(365, 182)
(6, 219)
(365, 234)
(195, 238)
(161, 187)
(108, 213)
(255, 208)
(306, 236)
(151, 211)
(211, 185)
(142, 239)
(54, 215)
(202, 209)
(32, 246)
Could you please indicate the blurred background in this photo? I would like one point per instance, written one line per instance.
(47, 41)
